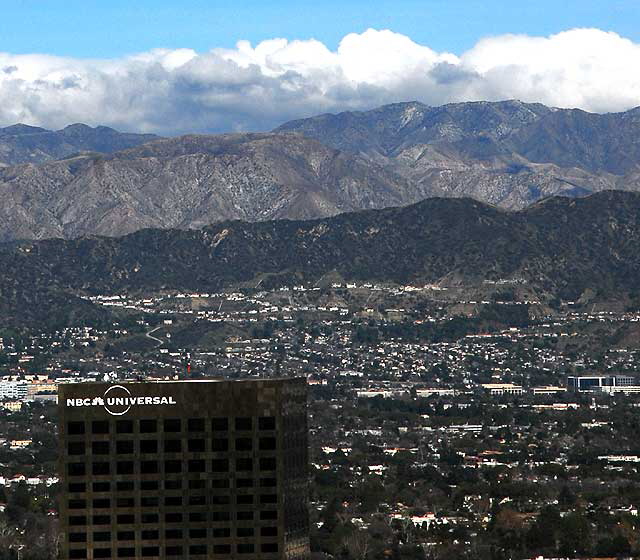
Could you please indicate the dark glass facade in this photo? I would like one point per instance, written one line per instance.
(185, 469)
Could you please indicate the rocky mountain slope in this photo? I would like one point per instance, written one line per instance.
(560, 246)
(21, 143)
(84, 181)
(506, 153)
(189, 182)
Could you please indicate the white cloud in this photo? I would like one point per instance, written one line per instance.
(256, 88)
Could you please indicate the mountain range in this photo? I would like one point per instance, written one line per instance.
(86, 181)
(571, 248)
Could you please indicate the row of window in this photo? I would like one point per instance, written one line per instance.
(154, 501)
(176, 484)
(193, 445)
(242, 464)
(173, 534)
(151, 425)
(172, 517)
(194, 550)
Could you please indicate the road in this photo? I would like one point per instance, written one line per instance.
(150, 335)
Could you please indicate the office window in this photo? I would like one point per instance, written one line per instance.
(269, 499)
(196, 465)
(77, 487)
(125, 485)
(267, 423)
(174, 517)
(197, 517)
(102, 536)
(173, 484)
(77, 504)
(246, 548)
(267, 443)
(220, 465)
(126, 552)
(244, 464)
(172, 425)
(100, 468)
(220, 500)
(174, 551)
(269, 531)
(173, 500)
(172, 466)
(78, 553)
(102, 519)
(219, 516)
(221, 533)
(222, 549)
(77, 537)
(196, 445)
(127, 502)
(244, 424)
(149, 501)
(102, 553)
(149, 485)
(76, 447)
(197, 484)
(268, 515)
(244, 483)
(126, 535)
(101, 486)
(124, 426)
(150, 551)
(245, 531)
(75, 428)
(268, 482)
(149, 518)
(195, 425)
(173, 446)
(267, 463)
(220, 483)
(198, 549)
(219, 444)
(148, 426)
(198, 500)
(244, 499)
(124, 467)
(198, 533)
(124, 447)
(76, 469)
(244, 516)
(148, 467)
(148, 446)
(219, 424)
(125, 519)
(77, 520)
(100, 427)
(244, 444)
(173, 534)
(150, 534)
(269, 547)
(101, 503)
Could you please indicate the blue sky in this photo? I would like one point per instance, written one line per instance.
(181, 66)
(112, 28)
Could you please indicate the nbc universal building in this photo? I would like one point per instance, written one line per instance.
(184, 469)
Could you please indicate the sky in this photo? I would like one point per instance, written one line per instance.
(208, 66)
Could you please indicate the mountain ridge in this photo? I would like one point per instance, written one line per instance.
(559, 247)
(506, 153)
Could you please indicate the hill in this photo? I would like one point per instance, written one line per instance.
(561, 247)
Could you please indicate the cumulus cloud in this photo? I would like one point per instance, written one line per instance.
(258, 87)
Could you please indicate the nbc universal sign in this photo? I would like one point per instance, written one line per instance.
(117, 400)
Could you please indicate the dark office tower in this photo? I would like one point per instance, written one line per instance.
(185, 469)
